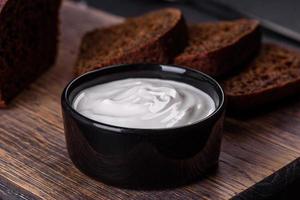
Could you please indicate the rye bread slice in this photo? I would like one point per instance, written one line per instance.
(28, 43)
(219, 48)
(155, 37)
(273, 75)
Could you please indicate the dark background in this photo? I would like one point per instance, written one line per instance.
(284, 12)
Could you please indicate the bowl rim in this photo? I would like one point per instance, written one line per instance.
(65, 101)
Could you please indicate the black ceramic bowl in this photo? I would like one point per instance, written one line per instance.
(143, 158)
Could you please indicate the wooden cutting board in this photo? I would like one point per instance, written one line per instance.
(34, 163)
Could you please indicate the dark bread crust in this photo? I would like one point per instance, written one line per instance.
(245, 103)
(227, 57)
(161, 48)
(28, 43)
(244, 98)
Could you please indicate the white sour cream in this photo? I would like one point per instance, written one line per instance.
(144, 103)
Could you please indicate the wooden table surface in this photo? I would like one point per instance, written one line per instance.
(34, 163)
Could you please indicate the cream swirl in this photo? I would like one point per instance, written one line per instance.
(144, 103)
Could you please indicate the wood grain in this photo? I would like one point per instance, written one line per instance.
(34, 163)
